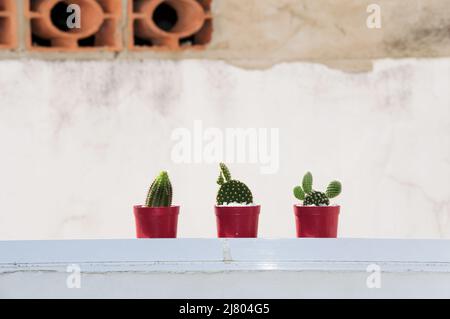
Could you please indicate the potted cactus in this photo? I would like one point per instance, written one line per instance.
(315, 217)
(236, 214)
(157, 218)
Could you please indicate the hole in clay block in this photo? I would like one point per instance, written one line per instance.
(177, 24)
(204, 36)
(3, 35)
(100, 25)
(59, 16)
(87, 42)
(138, 41)
(165, 16)
(40, 42)
(142, 42)
(5, 5)
(8, 32)
(187, 41)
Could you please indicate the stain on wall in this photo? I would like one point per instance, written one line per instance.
(262, 33)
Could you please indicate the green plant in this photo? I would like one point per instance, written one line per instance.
(311, 197)
(160, 192)
(232, 191)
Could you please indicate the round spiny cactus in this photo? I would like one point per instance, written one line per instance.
(232, 191)
(160, 192)
(317, 199)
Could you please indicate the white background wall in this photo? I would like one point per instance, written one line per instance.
(81, 142)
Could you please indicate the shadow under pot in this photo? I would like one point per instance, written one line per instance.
(317, 221)
(237, 221)
(156, 222)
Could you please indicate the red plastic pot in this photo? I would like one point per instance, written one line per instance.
(156, 222)
(317, 221)
(237, 221)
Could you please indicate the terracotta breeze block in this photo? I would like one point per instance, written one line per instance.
(169, 24)
(100, 25)
(8, 24)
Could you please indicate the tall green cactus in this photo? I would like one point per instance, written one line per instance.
(160, 192)
(232, 191)
(311, 197)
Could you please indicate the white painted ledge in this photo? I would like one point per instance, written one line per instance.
(231, 268)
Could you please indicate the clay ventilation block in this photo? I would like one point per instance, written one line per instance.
(99, 25)
(8, 24)
(170, 24)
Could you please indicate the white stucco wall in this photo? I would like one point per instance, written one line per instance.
(81, 142)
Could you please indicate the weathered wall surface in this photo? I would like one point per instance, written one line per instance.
(261, 33)
(328, 30)
(81, 142)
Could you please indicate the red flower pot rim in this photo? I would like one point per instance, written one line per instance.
(238, 206)
(299, 205)
(156, 208)
(142, 206)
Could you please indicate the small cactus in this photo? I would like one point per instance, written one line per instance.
(160, 192)
(232, 191)
(311, 197)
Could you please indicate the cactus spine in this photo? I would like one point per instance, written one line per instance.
(311, 197)
(232, 191)
(160, 192)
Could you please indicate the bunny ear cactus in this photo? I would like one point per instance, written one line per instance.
(232, 191)
(160, 192)
(311, 197)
